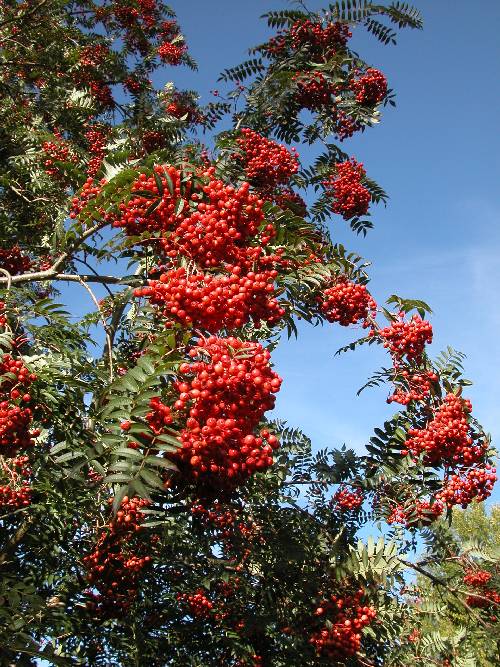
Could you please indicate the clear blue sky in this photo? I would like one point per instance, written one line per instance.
(438, 239)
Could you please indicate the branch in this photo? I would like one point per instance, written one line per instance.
(109, 343)
(442, 582)
(15, 539)
(53, 272)
(94, 272)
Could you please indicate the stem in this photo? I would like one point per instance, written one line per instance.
(442, 582)
(109, 343)
(53, 272)
(16, 538)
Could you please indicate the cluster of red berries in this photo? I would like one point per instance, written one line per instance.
(347, 499)
(371, 88)
(287, 198)
(112, 568)
(96, 139)
(267, 163)
(319, 40)
(346, 125)
(348, 616)
(171, 53)
(446, 436)
(201, 222)
(347, 303)
(139, 21)
(182, 105)
(231, 387)
(14, 260)
(133, 85)
(462, 488)
(217, 516)
(16, 433)
(313, 92)
(16, 493)
(406, 339)
(350, 198)
(477, 578)
(416, 386)
(214, 302)
(198, 604)
(93, 55)
(215, 227)
(3, 316)
(486, 596)
(423, 513)
(160, 415)
(172, 47)
(15, 420)
(89, 191)
(414, 636)
(57, 151)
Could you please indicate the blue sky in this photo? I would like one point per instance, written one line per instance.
(438, 239)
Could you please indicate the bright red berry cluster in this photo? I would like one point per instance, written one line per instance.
(462, 488)
(313, 92)
(93, 55)
(347, 303)
(183, 105)
(371, 88)
(348, 500)
(171, 53)
(16, 432)
(477, 578)
(228, 387)
(446, 436)
(198, 604)
(215, 226)
(16, 491)
(96, 139)
(423, 513)
(112, 567)
(267, 164)
(485, 596)
(350, 198)
(14, 260)
(57, 151)
(138, 20)
(90, 190)
(416, 385)
(208, 225)
(346, 125)
(214, 302)
(15, 419)
(406, 339)
(160, 415)
(172, 47)
(348, 616)
(133, 85)
(319, 40)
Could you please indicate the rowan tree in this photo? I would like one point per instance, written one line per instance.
(153, 510)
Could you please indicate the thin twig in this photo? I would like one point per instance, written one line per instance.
(109, 343)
